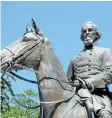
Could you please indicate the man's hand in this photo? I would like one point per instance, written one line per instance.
(80, 84)
(84, 84)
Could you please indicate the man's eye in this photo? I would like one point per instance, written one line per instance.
(90, 30)
(84, 31)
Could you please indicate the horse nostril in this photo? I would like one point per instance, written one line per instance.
(13, 58)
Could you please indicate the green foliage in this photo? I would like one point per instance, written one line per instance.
(4, 97)
(17, 111)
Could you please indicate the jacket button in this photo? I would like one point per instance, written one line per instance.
(90, 54)
(89, 69)
(89, 60)
(89, 64)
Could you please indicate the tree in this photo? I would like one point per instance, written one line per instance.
(17, 111)
(4, 96)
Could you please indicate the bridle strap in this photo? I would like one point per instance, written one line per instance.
(10, 51)
(24, 79)
(25, 67)
(43, 102)
(23, 55)
(43, 76)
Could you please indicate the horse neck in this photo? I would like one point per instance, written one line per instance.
(51, 76)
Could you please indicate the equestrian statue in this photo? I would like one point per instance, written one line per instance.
(82, 92)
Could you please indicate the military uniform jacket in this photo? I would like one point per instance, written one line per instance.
(94, 66)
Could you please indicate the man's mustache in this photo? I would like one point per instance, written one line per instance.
(90, 36)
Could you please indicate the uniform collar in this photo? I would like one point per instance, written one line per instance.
(94, 45)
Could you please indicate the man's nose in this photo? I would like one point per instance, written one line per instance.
(87, 31)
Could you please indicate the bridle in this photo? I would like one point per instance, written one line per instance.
(13, 75)
(10, 51)
(14, 62)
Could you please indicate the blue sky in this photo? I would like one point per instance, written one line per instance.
(60, 21)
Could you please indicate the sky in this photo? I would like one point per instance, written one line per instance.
(60, 21)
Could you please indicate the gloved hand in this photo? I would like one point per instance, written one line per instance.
(84, 84)
(80, 84)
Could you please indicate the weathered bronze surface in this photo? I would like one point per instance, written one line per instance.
(86, 97)
(93, 65)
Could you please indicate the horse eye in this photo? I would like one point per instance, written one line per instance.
(25, 39)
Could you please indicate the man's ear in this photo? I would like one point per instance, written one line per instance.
(98, 35)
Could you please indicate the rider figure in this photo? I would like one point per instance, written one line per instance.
(93, 65)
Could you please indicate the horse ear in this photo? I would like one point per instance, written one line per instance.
(28, 29)
(36, 28)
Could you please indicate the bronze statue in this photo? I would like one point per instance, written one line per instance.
(93, 65)
(58, 98)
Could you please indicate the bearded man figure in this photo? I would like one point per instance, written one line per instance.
(93, 66)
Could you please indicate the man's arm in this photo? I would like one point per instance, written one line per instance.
(105, 77)
(70, 72)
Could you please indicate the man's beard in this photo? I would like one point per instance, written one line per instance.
(89, 41)
(89, 46)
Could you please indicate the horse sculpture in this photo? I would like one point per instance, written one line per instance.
(58, 99)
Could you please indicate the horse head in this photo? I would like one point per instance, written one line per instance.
(24, 51)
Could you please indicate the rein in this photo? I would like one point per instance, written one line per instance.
(11, 74)
(35, 82)
(12, 93)
(21, 57)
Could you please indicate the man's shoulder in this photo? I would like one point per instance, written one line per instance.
(101, 49)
